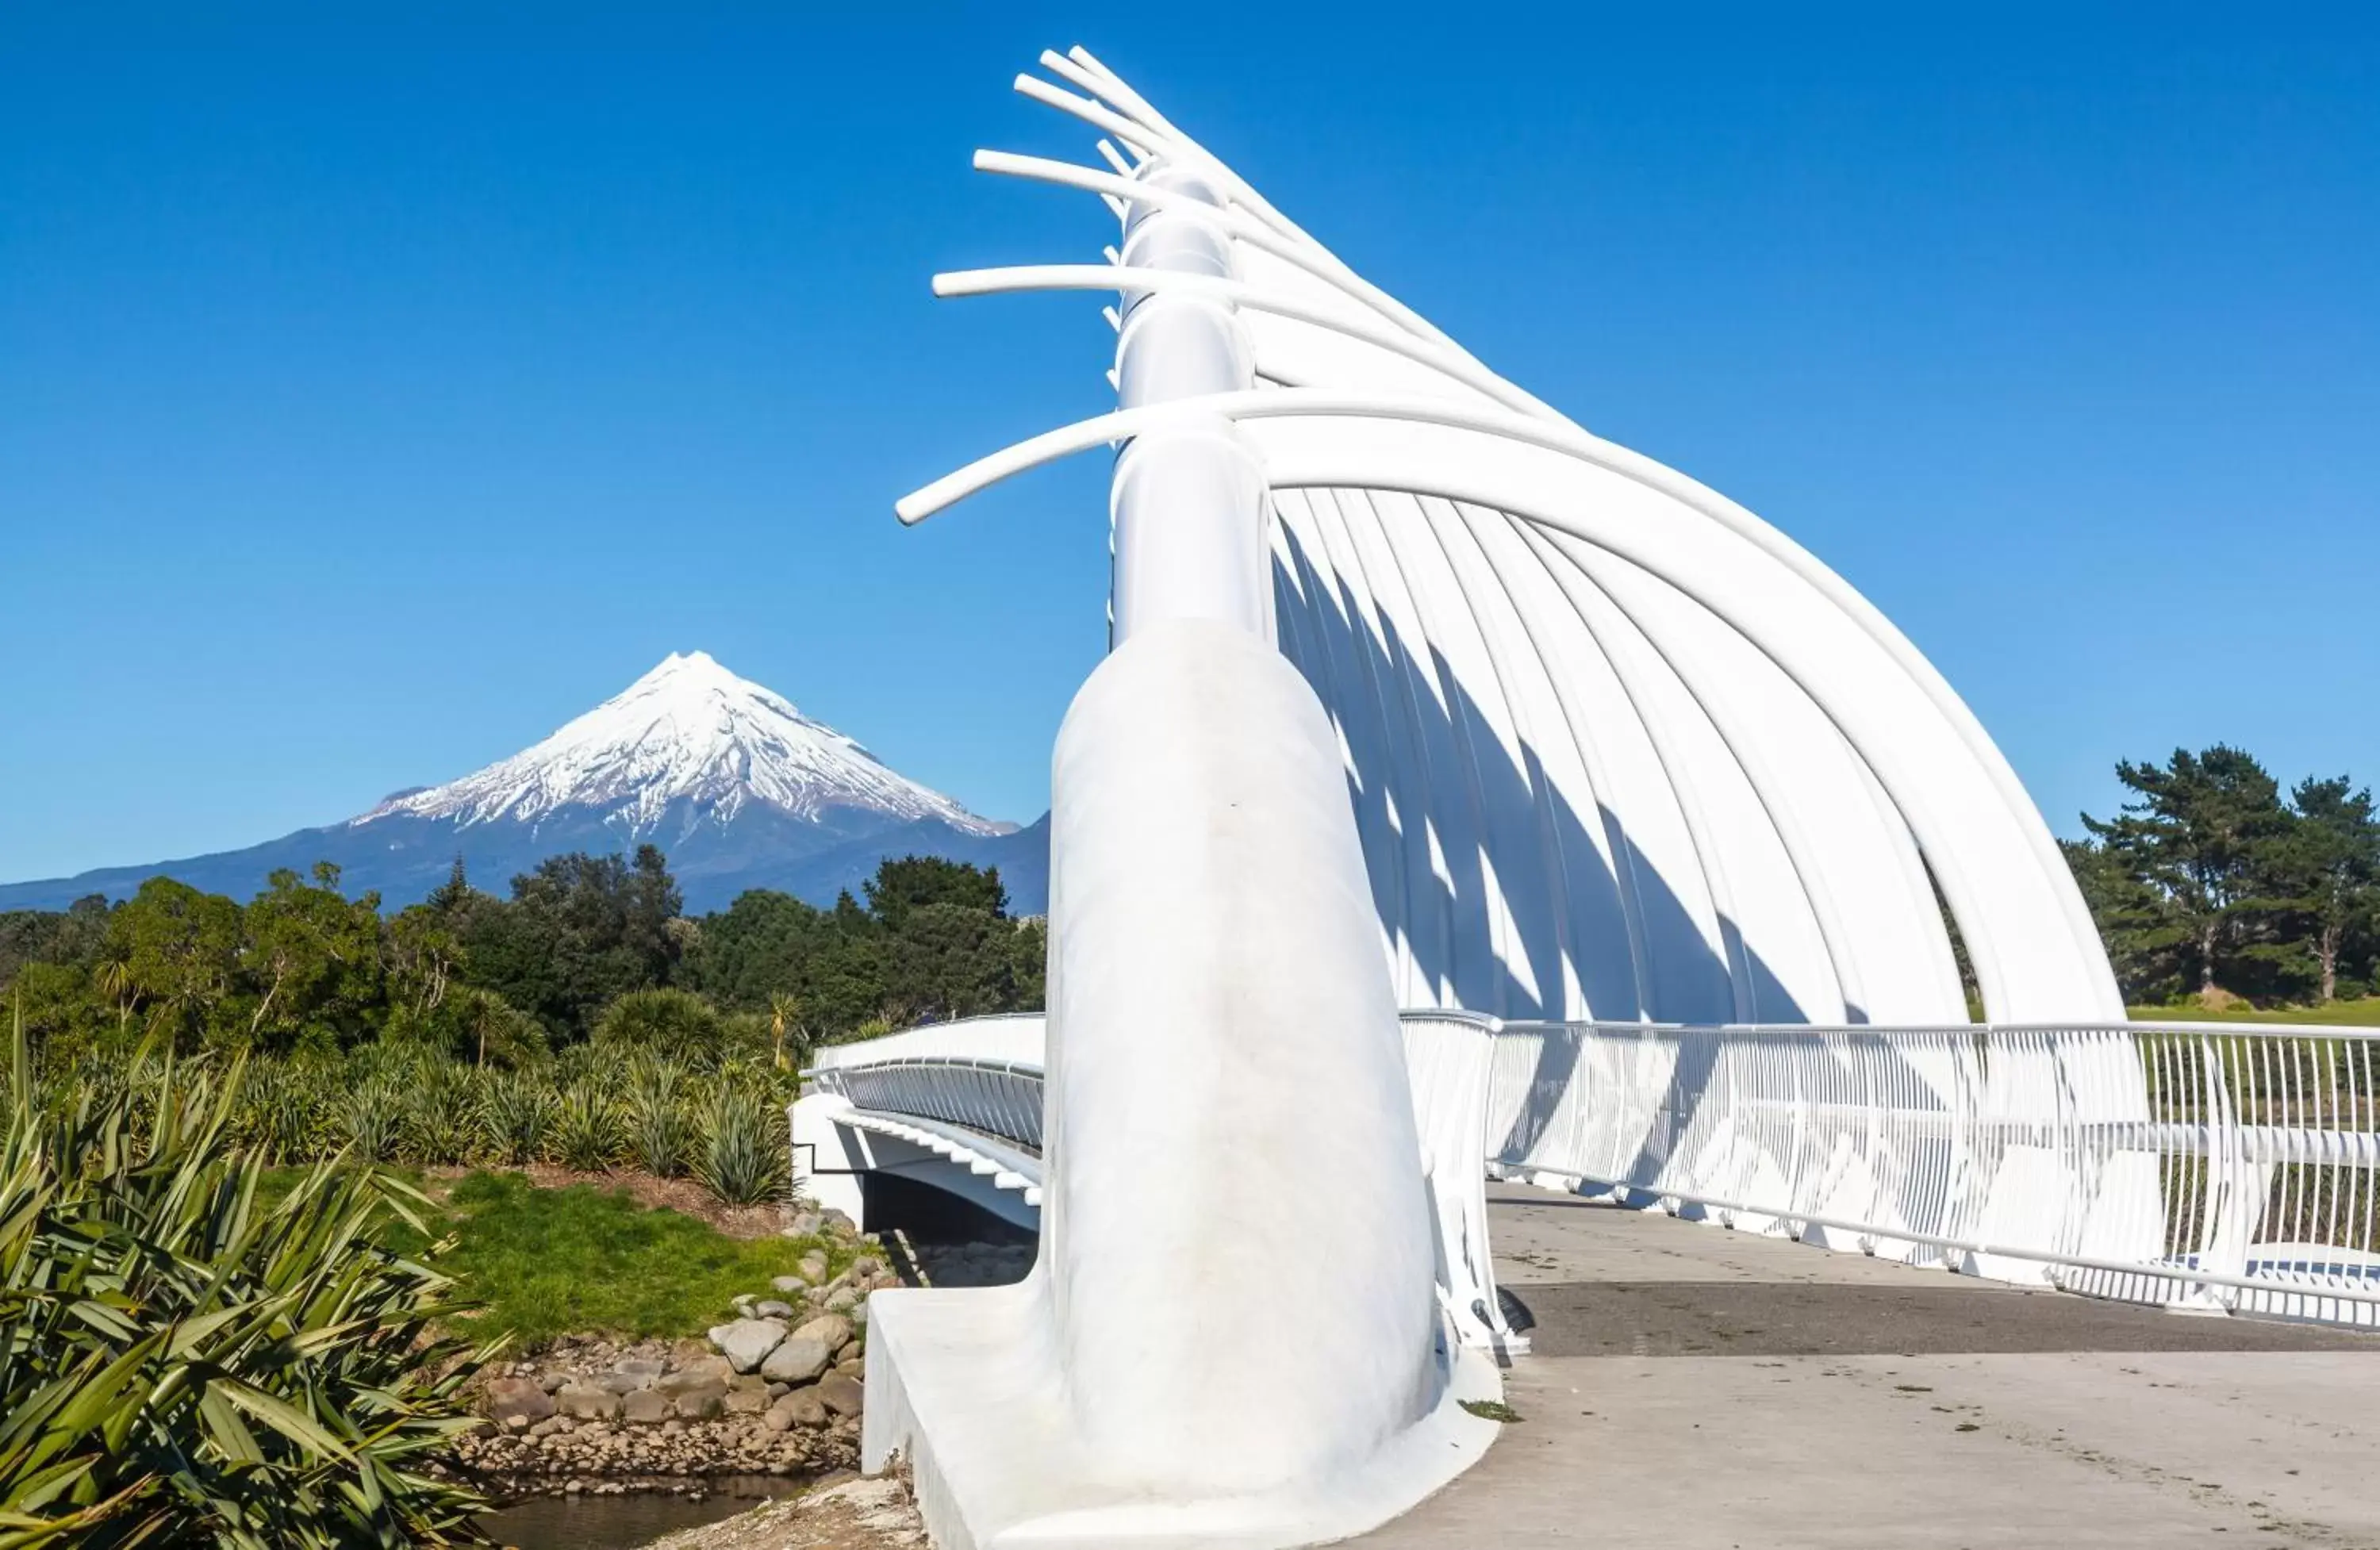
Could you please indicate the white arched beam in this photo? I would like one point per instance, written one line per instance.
(2035, 952)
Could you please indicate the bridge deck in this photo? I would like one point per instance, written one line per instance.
(1696, 1387)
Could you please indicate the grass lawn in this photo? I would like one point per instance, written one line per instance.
(2362, 1014)
(588, 1258)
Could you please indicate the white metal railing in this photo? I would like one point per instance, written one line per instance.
(2216, 1165)
(985, 1075)
(999, 1098)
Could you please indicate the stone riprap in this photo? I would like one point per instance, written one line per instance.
(775, 1392)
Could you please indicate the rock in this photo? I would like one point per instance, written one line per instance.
(644, 1367)
(776, 1421)
(746, 1402)
(792, 1286)
(688, 1349)
(801, 1408)
(702, 1402)
(797, 1359)
(854, 1369)
(747, 1341)
(840, 1299)
(622, 1383)
(584, 1402)
(772, 1309)
(839, 1224)
(813, 1267)
(646, 1405)
(839, 1394)
(552, 1381)
(524, 1399)
(831, 1330)
(694, 1374)
(743, 1304)
(807, 1224)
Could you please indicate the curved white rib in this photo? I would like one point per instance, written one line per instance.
(1614, 742)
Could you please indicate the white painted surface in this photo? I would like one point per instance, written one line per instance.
(1206, 1352)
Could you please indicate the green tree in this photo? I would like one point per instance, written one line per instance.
(311, 963)
(2147, 944)
(912, 881)
(578, 932)
(181, 952)
(2327, 871)
(2205, 832)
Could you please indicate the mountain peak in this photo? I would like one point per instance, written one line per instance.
(692, 736)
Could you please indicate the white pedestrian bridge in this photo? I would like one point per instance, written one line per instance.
(1686, 863)
(2222, 1168)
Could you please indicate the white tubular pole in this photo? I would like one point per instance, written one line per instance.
(1189, 502)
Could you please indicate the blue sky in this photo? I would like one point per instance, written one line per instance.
(379, 391)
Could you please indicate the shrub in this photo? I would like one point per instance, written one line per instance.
(372, 1117)
(516, 1113)
(589, 1132)
(676, 1024)
(660, 1130)
(441, 1115)
(188, 1365)
(743, 1155)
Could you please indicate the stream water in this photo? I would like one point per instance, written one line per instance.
(619, 1522)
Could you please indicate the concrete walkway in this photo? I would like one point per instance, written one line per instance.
(1693, 1388)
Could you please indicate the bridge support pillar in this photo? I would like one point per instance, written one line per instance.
(1231, 1336)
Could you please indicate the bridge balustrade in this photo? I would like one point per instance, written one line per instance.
(2226, 1166)
(2218, 1167)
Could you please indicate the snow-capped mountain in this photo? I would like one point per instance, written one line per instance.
(738, 787)
(689, 738)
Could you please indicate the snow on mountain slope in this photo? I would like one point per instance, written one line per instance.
(692, 732)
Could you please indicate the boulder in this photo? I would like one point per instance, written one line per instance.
(646, 1406)
(801, 1408)
(839, 1394)
(747, 1341)
(703, 1402)
(521, 1399)
(694, 1374)
(797, 1359)
(584, 1402)
(831, 1330)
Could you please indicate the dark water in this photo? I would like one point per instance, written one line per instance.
(617, 1522)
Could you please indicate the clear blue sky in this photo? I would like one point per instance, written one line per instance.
(379, 389)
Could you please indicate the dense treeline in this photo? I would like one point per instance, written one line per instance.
(302, 969)
(2213, 883)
